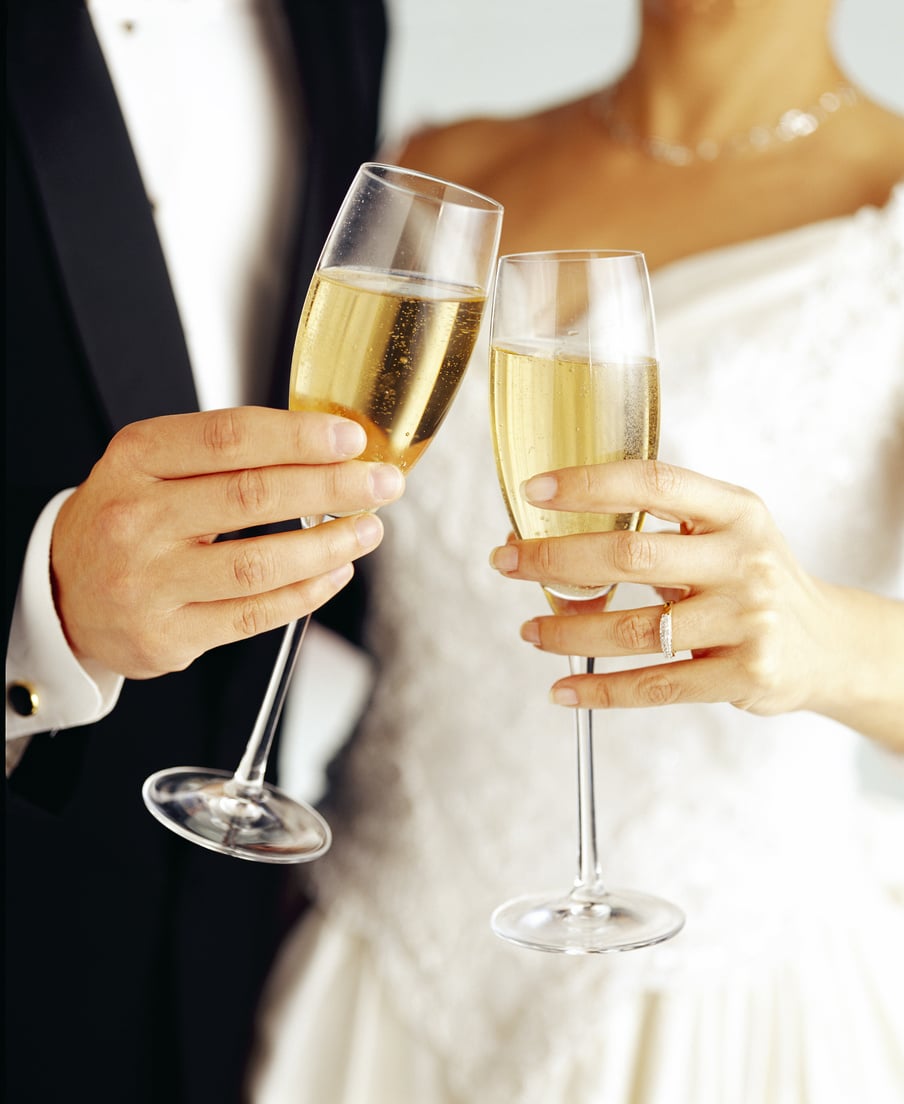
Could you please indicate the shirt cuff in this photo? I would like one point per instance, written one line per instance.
(47, 688)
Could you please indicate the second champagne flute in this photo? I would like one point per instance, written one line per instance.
(386, 332)
(575, 380)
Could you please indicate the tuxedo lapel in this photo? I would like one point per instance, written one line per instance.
(339, 46)
(99, 218)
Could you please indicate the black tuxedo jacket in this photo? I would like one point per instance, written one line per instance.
(134, 959)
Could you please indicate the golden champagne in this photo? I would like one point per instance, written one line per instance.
(388, 350)
(559, 412)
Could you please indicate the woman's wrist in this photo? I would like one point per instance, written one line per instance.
(863, 686)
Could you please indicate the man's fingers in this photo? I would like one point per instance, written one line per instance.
(180, 445)
(228, 501)
(196, 628)
(253, 567)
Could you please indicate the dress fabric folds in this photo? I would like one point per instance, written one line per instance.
(782, 371)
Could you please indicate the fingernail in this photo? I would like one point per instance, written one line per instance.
(341, 575)
(504, 558)
(540, 489)
(349, 439)
(563, 695)
(530, 631)
(369, 530)
(386, 482)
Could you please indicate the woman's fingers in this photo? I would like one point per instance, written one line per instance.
(625, 486)
(713, 679)
(698, 623)
(599, 559)
(745, 609)
(724, 520)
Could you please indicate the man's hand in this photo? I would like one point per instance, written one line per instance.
(141, 584)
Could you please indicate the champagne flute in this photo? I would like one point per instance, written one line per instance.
(386, 332)
(575, 380)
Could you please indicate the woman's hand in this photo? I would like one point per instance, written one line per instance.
(141, 584)
(764, 635)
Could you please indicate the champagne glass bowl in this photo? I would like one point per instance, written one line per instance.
(385, 335)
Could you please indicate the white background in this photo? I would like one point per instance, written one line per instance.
(451, 58)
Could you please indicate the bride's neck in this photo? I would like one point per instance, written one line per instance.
(713, 72)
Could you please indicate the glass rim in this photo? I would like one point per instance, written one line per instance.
(563, 255)
(483, 202)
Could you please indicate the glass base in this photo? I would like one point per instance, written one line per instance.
(619, 920)
(263, 826)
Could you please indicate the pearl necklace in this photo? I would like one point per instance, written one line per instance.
(793, 124)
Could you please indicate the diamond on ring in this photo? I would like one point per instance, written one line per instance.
(665, 631)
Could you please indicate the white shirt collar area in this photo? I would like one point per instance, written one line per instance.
(209, 95)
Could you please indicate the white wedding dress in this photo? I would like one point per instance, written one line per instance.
(782, 371)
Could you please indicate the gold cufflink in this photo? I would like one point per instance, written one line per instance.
(23, 698)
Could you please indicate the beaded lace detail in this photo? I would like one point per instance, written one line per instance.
(783, 371)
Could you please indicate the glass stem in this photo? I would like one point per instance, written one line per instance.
(248, 780)
(588, 885)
